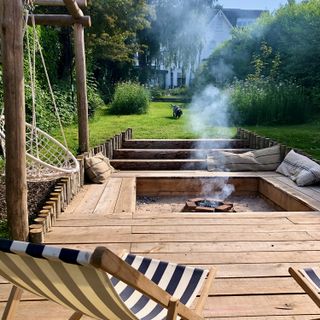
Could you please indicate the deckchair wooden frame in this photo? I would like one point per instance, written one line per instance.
(306, 285)
(104, 259)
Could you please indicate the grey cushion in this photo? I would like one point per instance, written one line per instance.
(98, 168)
(267, 159)
(300, 169)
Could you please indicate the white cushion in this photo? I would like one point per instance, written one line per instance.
(267, 159)
(300, 169)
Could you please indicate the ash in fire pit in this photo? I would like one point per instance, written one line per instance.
(208, 205)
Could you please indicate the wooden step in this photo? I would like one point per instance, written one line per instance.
(169, 153)
(165, 164)
(185, 144)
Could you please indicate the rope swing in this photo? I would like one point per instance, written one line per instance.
(47, 158)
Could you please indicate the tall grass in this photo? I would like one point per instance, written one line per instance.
(266, 102)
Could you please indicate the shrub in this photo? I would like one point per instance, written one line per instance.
(130, 98)
(180, 91)
(94, 97)
(264, 101)
(156, 93)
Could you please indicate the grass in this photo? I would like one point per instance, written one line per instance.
(158, 123)
(305, 137)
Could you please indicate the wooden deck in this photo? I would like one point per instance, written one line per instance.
(252, 251)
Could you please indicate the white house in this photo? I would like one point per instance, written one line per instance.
(218, 31)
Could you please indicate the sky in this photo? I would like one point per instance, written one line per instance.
(270, 5)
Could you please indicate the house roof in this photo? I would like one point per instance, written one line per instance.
(234, 14)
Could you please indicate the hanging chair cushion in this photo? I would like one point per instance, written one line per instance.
(98, 168)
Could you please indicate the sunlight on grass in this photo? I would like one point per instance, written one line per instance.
(305, 137)
(158, 123)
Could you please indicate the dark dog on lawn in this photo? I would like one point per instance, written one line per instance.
(176, 111)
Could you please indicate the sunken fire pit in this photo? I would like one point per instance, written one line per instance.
(208, 205)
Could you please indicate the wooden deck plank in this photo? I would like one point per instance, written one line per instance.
(126, 201)
(254, 286)
(86, 234)
(219, 306)
(109, 197)
(252, 246)
(294, 317)
(216, 258)
(221, 286)
(41, 309)
(218, 237)
(87, 202)
(275, 305)
(225, 228)
(254, 270)
(177, 221)
(238, 215)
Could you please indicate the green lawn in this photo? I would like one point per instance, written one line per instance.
(305, 137)
(158, 123)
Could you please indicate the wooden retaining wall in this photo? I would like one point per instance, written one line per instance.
(256, 141)
(67, 187)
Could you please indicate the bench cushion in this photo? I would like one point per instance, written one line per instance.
(267, 159)
(300, 169)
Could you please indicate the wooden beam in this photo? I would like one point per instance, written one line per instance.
(11, 18)
(82, 101)
(73, 8)
(58, 3)
(59, 20)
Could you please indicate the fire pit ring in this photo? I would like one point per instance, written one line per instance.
(208, 205)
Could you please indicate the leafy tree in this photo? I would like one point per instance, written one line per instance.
(112, 40)
(292, 32)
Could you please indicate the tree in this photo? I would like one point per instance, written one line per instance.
(292, 32)
(112, 40)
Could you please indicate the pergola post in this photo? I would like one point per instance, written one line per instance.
(11, 17)
(81, 82)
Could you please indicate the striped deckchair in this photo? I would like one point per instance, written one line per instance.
(102, 285)
(309, 280)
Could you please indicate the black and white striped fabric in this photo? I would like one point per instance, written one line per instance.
(179, 281)
(67, 277)
(313, 276)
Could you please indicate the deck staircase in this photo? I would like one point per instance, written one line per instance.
(177, 154)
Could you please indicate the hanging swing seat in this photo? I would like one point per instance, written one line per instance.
(47, 158)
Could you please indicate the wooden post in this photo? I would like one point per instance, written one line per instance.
(11, 17)
(82, 101)
(59, 20)
(130, 133)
